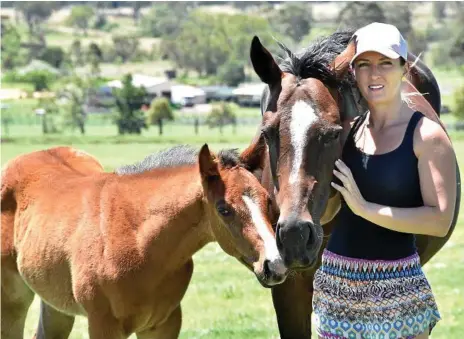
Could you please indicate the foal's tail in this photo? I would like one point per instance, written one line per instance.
(9, 181)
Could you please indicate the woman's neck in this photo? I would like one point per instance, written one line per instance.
(385, 114)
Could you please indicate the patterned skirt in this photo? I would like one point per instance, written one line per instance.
(366, 299)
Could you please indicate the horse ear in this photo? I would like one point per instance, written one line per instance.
(207, 163)
(263, 63)
(341, 63)
(253, 157)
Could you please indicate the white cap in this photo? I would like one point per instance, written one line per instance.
(382, 38)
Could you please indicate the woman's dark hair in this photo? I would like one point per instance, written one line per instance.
(402, 61)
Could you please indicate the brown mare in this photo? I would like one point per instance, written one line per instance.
(117, 247)
(307, 109)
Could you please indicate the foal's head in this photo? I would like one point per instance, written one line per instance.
(240, 210)
(301, 123)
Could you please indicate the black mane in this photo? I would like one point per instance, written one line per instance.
(177, 156)
(313, 62)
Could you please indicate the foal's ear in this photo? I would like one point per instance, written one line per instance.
(208, 163)
(341, 64)
(253, 157)
(263, 63)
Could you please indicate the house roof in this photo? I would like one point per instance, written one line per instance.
(254, 89)
(187, 91)
(139, 80)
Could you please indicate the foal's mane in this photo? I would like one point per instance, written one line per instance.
(177, 156)
(313, 61)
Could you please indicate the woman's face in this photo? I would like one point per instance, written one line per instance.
(378, 77)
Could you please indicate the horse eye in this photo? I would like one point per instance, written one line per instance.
(265, 134)
(336, 134)
(333, 135)
(223, 209)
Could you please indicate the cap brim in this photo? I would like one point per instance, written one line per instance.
(389, 53)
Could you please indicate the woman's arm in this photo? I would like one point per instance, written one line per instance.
(437, 172)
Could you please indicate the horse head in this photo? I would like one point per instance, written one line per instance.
(302, 127)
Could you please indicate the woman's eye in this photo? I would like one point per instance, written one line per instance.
(386, 63)
(363, 64)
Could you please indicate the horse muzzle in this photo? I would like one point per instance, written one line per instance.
(298, 242)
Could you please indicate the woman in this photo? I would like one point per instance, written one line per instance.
(397, 179)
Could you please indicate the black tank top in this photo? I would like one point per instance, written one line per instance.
(390, 179)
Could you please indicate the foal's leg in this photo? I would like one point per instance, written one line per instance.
(104, 326)
(53, 324)
(16, 299)
(170, 329)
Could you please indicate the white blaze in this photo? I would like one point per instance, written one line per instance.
(270, 247)
(303, 116)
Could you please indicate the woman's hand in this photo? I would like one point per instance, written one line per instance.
(349, 190)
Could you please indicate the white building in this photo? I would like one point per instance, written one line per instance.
(185, 95)
(249, 94)
(155, 86)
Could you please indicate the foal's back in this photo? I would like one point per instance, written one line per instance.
(29, 167)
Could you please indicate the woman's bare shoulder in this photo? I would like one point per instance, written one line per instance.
(430, 136)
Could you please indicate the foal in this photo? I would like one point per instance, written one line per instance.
(117, 247)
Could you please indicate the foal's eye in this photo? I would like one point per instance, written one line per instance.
(223, 209)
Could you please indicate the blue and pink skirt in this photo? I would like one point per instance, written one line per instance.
(366, 299)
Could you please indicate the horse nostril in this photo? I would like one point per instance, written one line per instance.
(278, 237)
(310, 228)
(266, 268)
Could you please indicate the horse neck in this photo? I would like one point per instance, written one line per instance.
(176, 216)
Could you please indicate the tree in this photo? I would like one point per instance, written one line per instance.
(41, 79)
(75, 94)
(136, 7)
(439, 9)
(358, 14)
(94, 56)
(129, 99)
(36, 12)
(125, 46)
(54, 55)
(417, 42)
(458, 109)
(11, 44)
(48, 110)
(76, 53)
(160, 110)
(456, 51)
(80, 17)
(232, 73)
(222, 114)
(195, 48)
(456, 46)
(399, 15)
(165, 18)
(293, 19)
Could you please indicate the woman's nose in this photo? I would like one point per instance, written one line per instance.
(375, 73)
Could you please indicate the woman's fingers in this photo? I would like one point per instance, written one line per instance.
(343, 168)
(339, 188)
(343, 178)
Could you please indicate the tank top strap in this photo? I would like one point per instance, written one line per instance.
(408, 139)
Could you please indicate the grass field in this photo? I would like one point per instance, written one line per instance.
(224, 300)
